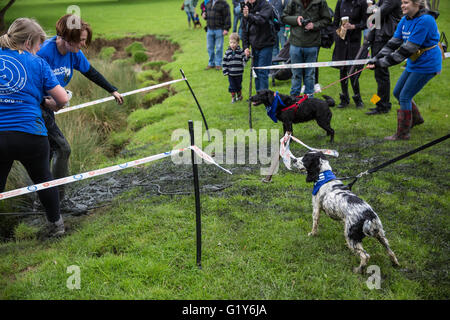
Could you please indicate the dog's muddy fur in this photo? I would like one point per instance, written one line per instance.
(310, 109)
(339, 203)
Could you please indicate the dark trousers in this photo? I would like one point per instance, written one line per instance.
(353, 80)
(33, 152)
(59, 146)
(235, 83)
(383, 80)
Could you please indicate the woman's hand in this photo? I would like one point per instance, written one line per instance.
(51, 104)
(371, 66)
(118, 97)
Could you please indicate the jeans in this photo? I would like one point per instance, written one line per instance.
(214, 44)
(302, 55)
(280, 41)
(237, 19)
(261, 58)
(408, 85)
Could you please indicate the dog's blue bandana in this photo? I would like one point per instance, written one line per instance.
(272, 110)
(324, 177)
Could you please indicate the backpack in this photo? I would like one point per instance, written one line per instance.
(275, 21)
(327, 34)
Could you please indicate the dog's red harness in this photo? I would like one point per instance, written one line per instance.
(297, 104)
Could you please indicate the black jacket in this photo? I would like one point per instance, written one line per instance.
(256, 29)
(391, 13)
(356, 10)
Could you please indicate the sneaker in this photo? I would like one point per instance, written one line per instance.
(303, 90)
(56, 229)
(239, 98)
(317, 88)
(233, 99)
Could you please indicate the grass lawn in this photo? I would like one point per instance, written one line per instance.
(255, 242)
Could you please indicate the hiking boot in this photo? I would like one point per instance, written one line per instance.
(358, 101)
(404, 121)
(345, 100)
(416, 116)
(218, 68)
(209, 67)
(56, 229)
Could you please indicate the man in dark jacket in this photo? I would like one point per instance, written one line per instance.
(257, 34)
(390, 14)
(217, 15)
(306, 18)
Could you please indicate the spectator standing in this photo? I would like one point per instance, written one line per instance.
(306, 18)
(23, 136)
(416, 38)
(257, 34)
(351, 17)
(233, 67)
(217, 15)
(237, 17)
(389, 12)
(189, 8)
(281, 39)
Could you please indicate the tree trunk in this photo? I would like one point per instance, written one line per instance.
(2, 15)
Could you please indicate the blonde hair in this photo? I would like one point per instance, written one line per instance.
(21, 31)
(422, 3)
(235, 37)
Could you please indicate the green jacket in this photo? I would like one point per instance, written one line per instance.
(317, 11)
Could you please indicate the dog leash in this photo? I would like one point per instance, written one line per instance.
(389, 162)
(337, 81)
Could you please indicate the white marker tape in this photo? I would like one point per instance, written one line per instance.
(91, 103)
(323, 64)
(99, 172)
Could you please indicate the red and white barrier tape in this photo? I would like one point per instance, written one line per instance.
(91, 103)
(99, 172)
(322, 64)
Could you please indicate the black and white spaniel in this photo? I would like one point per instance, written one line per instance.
(331, 196)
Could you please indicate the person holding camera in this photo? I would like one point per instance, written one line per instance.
(218, 22)
(257, 34)
(306, 18)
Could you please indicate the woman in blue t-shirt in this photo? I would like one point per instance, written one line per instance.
(415, 38)
(63, 54)
(25, 79)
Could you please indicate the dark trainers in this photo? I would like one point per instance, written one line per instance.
(56, 229)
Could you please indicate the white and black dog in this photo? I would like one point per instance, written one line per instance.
(331, 196)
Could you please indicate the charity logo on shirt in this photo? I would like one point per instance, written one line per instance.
(63, 71)
(12, 75)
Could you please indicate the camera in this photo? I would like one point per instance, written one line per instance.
(305, 22)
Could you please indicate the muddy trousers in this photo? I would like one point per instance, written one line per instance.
(33, 152)
(59, 148)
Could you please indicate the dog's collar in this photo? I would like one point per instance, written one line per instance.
(324, 177)
(272, 110)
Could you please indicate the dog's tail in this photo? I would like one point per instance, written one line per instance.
(329, 100)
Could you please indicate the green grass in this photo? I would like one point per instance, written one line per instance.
(255, 243)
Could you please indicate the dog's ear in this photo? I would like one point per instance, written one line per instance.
(311, 162)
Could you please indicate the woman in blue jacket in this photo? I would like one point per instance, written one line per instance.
(415, 38)
(25, 79)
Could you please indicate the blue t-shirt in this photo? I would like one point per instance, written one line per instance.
(24, 79)
(423, 31)
(63, 65)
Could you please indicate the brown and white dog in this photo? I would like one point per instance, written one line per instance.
(330, 195)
